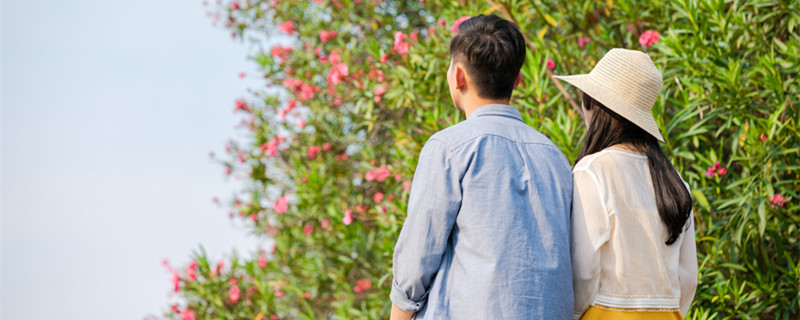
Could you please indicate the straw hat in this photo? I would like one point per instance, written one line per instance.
(627, 82)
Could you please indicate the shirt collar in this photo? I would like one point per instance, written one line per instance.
(496, 110)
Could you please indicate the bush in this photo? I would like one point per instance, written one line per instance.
(331, 147)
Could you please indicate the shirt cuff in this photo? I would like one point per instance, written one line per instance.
(401, 300)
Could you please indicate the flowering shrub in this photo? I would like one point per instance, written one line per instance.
(331, 147)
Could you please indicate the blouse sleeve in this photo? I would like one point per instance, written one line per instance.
(590, 230)
(687, 267)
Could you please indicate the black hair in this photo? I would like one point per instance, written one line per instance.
(608, 128)
(493, 51)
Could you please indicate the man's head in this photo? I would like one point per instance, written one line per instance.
(486, 56)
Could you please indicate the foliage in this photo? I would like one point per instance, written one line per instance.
(361, 86)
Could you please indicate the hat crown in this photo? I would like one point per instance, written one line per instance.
(630, 74)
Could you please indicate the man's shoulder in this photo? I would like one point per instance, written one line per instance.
(470, 130)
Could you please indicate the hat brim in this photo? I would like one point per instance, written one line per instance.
(616, 102)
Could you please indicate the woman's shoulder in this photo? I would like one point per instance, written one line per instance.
(600, 159)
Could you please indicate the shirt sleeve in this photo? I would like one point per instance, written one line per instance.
(590, 230)
(687, 267)
(433, 205)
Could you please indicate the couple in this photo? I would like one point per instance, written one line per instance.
(498, 225)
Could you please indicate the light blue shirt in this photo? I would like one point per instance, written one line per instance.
(487, 231)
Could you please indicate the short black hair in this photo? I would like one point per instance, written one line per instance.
(493, 50)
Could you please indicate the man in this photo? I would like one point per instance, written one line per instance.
(487, 232)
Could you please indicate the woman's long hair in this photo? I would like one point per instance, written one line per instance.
(607, 129)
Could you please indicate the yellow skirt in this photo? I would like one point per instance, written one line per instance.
(595, 313)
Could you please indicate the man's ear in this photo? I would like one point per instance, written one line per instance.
(518, 81)
(461, 77)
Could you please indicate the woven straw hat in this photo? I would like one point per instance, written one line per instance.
(627, 82)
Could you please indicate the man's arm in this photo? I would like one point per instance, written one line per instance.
(400, 314)
(432, 209)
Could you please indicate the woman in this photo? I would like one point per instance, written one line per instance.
(633, 244)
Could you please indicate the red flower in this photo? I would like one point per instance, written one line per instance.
(378, 197)
(648, 38)
(458, 23)
(583, 41)
(362, 285)
(233, 294)
(286, 27)
(312, 151)
(307, 294)
(324, 36)
(551, 64)
(384, 58)
(442, 22)
(722, 171)
(234, 5)
(763, 137)
(326, 146)
(241, 105)
(308, 230)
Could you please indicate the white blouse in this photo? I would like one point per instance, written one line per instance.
(619, 257)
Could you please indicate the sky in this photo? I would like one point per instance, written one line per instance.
(109, 110)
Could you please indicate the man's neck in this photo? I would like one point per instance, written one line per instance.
(472, 104)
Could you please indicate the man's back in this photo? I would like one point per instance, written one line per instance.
(499, 193)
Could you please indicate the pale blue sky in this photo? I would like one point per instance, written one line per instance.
(109, 110)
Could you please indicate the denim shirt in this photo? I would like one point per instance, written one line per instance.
(487, 228)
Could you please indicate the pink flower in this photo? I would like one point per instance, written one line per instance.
(301, 124)
(369, 176)
(710, 172)
(337, 72)
(362, 285)
(551, 64)
(722, 171)
(307, 294)
(241, 105)
(191, 271)
(414, 36)
(326, 146)
(262, 260)
(325, 223)
(442, 22)
(281, 52)
(378, 197)
(234, 5)
(384, 58)
(313, 151)
(348, 218)
(281, 205)
(324, 36)
(176, 279)
(379, 91)
(583, 41)
(648, 38)
(778, 200)
(286, 27)
(401, 46)
(308, 230)
(406, 185)
(233, 294)
(458, 23)
(763, 137)
(278, 292)
(187, 314)
(242, 75)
